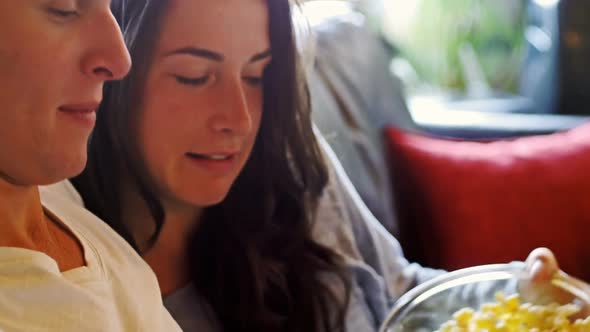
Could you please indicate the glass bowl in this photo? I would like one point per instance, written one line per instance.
(426, 307)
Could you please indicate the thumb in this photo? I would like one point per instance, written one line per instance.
(541, 265)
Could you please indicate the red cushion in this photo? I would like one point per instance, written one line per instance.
(467, 203)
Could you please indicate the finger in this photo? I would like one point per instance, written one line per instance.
(542, 265)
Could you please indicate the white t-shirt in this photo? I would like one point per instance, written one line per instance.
(115, 291)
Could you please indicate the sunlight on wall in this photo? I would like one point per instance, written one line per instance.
(546, 3)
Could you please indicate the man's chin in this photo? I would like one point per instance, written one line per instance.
(66, 170)
(44, 171)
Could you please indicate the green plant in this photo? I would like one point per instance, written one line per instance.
(431, 34)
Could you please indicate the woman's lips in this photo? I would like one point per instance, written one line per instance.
(219, 164)
(212, 156)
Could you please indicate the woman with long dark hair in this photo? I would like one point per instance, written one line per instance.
(205, 160)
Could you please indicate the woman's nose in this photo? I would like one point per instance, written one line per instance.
(233, 115)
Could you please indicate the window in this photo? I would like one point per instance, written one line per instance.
(523, 56)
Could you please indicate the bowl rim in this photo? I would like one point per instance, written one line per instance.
(489, 272)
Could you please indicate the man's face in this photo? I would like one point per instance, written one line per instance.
(55, 56)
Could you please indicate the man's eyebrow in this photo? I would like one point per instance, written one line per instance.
(198, 52)
(260, 56)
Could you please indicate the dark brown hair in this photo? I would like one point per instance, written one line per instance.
(253, 258)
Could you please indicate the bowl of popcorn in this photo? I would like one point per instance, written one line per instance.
(492, 298)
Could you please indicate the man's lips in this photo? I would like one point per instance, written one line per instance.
(83, 114)
(79, 108)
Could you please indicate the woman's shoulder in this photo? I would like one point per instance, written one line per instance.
(191, 311)
(345, 224)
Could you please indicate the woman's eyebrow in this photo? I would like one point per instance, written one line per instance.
(211, 55)
(87, 3)
(198, 52)
(260, 56)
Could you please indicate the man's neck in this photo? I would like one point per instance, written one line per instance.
(21, 215)
(24, 224)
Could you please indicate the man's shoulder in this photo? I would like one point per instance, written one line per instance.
(64, 202)
(63, 189)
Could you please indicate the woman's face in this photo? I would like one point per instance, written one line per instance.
(203, 98)
(55, 56)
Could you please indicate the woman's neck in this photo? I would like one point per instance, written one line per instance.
(168, 255)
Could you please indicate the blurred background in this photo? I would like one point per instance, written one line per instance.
(524, 56)
(430, 106)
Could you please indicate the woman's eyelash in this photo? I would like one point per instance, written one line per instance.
(62, 13)
(191, 81)
(255, 81)
(250, 80)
